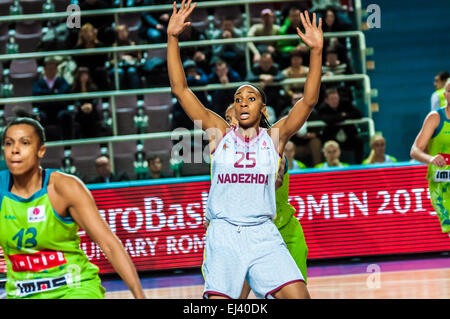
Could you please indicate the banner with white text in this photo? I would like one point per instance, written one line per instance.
(353, 212)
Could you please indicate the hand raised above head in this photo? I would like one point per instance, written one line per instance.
(177, 21)
(313, 36)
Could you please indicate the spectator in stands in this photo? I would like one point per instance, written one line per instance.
(104, 173)
(87, 39)
(153, 24)
(128, 62)
(266, 71)
(333, 24)
(222, 73)
(332, 64)
(308, 145)
(234, 53)
(377, 154)
(295, 70)
(155, 167)
(67, 68)
(318, 5)
(437, 98)
(332, 153)
(53, 113)
(335, 20)
(289, 151)
(200, 54)
(102, 23)
(266, 28)
(333, 113)
(87, 115)
(290, 25)
(194, 77)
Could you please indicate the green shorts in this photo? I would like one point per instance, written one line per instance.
(440, 199)
(294, 238)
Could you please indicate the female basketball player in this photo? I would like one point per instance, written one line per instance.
(41, 211)
(289, 227)
(432, 147)
(242, 242)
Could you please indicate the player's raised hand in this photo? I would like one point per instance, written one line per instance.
(177, 21)
(313, 36)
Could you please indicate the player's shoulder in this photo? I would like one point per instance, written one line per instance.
(65, 183)
(433, 118)
(437, 113)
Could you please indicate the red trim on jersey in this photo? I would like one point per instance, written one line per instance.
(283, 285)
(248, 140)
(210, 292)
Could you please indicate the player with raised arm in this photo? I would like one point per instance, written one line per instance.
(242, 241)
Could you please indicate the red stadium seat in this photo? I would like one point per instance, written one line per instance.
(4, 7)
(126, 101)
(4, 36)
(125, 123)
(158, 99)
(28, 35)
(31, 6)
(22, 75)
(158, 118)
(61, 5)
(53, 157)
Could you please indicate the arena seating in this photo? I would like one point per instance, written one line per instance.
(155, 99)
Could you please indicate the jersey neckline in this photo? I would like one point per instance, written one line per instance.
(42, 191)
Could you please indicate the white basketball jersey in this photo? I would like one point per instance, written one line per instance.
(243, 174)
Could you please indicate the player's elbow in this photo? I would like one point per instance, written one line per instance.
(413, 152)
(178, 90)
(311, 102)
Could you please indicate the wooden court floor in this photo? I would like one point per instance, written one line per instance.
(411, 284)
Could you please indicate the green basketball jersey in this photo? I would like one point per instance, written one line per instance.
(325, 165)
(42, 249)
(439, 143)
(284, 209)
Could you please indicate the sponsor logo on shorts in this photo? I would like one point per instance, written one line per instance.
(29, 287)
(442, 176)
(37, 261)
(36, 214)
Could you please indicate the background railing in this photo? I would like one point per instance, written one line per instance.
(355, 42)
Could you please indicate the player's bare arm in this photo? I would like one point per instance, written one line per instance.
(74, 199)
(419, 149)
(191, 105)
(313, 37)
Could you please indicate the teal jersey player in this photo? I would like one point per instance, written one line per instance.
(40, 214)
(432, 147)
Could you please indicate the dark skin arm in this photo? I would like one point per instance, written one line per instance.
(71, 197)
(191, 105)
(299, 113)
